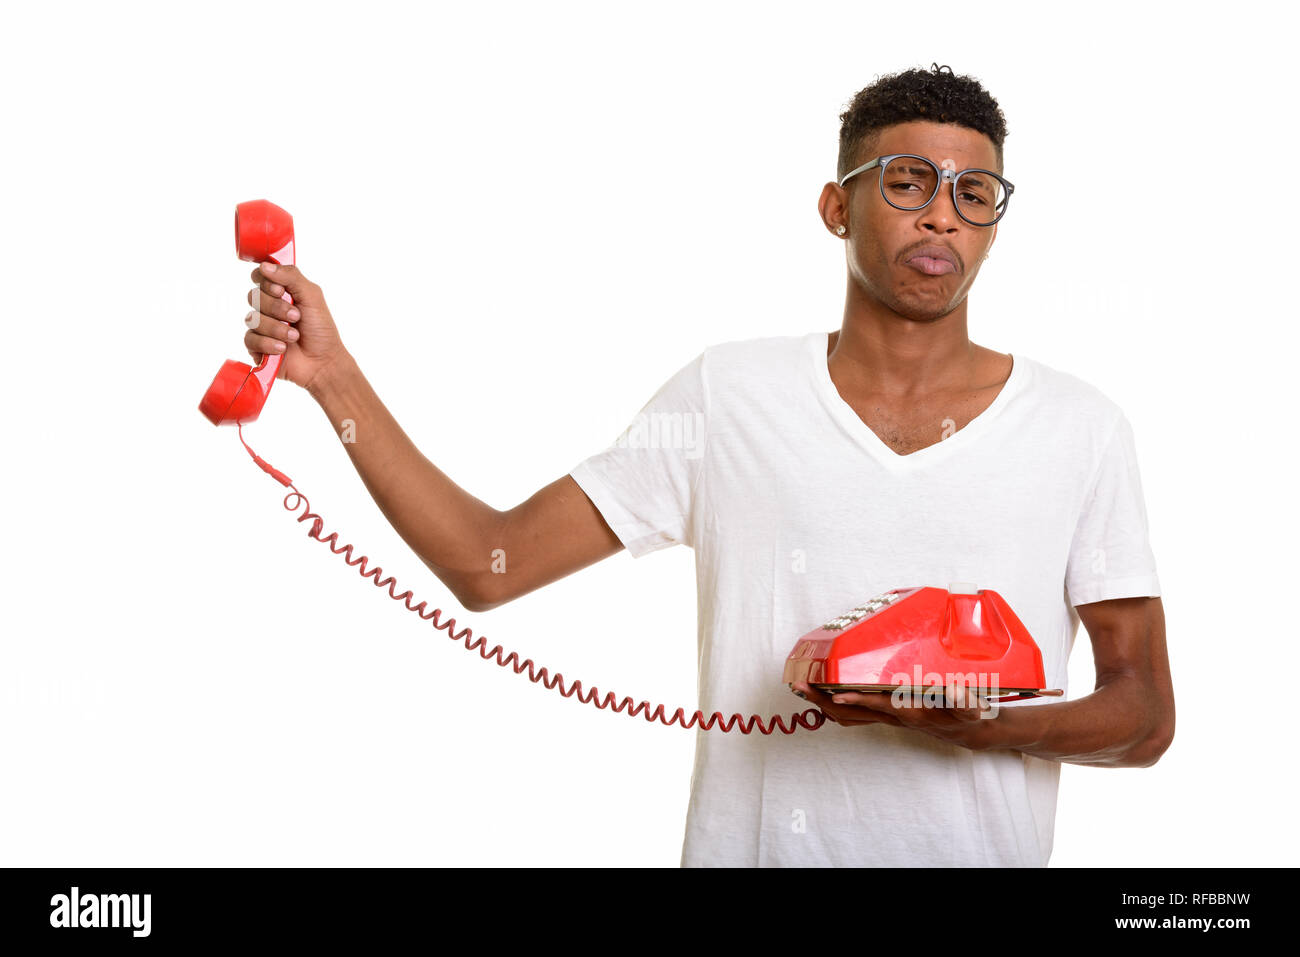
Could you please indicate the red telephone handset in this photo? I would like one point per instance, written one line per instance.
(263, 233)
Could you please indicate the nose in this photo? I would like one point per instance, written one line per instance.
(940, 214)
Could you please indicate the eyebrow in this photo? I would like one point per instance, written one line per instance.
(973, 178)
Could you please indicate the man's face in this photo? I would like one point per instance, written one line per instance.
(881, 238)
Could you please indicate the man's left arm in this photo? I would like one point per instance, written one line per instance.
(1127, 721)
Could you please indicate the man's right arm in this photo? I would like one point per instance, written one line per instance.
(460, 538)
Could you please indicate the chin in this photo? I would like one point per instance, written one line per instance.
(909, 308)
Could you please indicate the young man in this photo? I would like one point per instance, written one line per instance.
(816, 471)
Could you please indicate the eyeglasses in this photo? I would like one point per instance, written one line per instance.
(910, 182)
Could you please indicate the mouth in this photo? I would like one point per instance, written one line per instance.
(931, 267)
(932, 260)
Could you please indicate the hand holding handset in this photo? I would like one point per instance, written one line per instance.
(263, 233)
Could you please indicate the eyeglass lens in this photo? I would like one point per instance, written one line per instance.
(909, 183)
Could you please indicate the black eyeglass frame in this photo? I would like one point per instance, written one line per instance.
(941, 175)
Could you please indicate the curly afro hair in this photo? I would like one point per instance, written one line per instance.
(935, 94)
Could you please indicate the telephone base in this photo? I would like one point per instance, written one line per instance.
(985, 692)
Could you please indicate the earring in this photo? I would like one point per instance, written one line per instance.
(840, 230)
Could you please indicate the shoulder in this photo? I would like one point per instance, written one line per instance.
(762, 357)
(1069, 399)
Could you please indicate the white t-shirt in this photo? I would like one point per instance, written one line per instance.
(798, 512)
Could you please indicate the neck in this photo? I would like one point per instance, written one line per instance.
(881, 351)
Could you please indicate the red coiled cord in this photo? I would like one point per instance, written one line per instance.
(811, 719)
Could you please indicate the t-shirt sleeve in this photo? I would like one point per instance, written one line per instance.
(644, 483)
(1110, 554)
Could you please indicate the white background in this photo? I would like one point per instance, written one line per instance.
(525, 217)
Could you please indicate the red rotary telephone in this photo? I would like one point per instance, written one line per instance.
(924, 638)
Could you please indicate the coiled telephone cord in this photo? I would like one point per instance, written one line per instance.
(811, 720)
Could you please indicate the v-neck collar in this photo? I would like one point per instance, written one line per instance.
(817, 345)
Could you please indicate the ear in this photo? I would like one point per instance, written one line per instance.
(831, 205)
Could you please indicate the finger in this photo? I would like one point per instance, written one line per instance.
(877, 701)
(845, 714)
(851, 717)
(268, 326)
(967, 703)
(274, 290)
(934, 709)
(880, 704)
(264, 300)
(259, 345)
(809, 693)
(267, 284)
(806, 691)
(289, 278)
(947, 705)
(816, 697)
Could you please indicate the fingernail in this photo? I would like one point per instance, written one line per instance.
(279, 346)
(840, 699)
(249, 320)
(268, 267)
(294, 314)
(293, 335)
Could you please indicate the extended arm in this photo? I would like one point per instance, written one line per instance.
(485, 556)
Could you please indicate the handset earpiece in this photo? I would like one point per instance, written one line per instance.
(263, 233)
